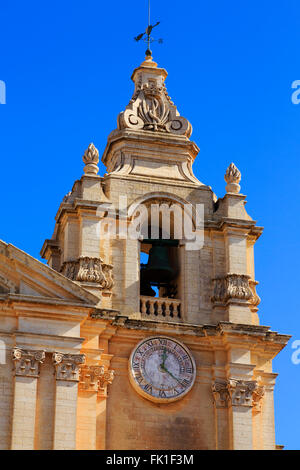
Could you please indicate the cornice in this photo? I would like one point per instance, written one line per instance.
(222, 329)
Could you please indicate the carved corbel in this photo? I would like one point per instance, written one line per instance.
(232, 286)
(67, 366)
(27, 363)
(87, 269)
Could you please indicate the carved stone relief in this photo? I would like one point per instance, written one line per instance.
(237, 393)
(151, 108)
(87, 269)
(26, 362)
(232, 286)
(67, 366)
(95, 379)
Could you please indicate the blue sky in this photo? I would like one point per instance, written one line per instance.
(67, 68)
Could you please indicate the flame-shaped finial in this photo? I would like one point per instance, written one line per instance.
(232, 178)
(91, 159)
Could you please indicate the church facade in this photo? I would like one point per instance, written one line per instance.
(101, 350)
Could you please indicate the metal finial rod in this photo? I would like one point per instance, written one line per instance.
(148, 25)
(146, 36)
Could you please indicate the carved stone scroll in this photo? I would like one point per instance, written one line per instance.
(151, 108)
(27, 363)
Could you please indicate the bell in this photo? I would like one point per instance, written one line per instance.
(158, 269)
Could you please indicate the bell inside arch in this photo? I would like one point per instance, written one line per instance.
(159, 269)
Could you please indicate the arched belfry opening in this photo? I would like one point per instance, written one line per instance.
(161, 259)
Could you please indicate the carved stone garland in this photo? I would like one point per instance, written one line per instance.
(27, 363)
(89, 270)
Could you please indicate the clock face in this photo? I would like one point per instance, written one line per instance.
(161, 369)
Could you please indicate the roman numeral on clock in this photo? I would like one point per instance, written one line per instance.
(138, 377)
(162, 341)
(185, 382)
(148, 388)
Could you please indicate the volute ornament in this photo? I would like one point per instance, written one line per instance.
(237, 393)
(95, 379)
(150, 107)
(67, 366)
(27, 362)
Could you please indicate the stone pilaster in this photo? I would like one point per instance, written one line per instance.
(221, 399)
(67, 376)
(26, 368)
(265, 410)
(238, 397)
(93, 381)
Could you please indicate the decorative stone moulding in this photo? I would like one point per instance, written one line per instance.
(232, 286)
(232, 178)
(255, 299)
(257, 396)
(150, 107)
(91, 160)
(7, 286)
(67, 366)
(237, 393)
(95, 379)
(87, 269)
(27, 363)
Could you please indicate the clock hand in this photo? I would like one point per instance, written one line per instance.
(164, 357)
(170, 373)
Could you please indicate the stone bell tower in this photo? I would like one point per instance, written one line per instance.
(207, 307)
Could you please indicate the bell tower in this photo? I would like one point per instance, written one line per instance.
(173, 269)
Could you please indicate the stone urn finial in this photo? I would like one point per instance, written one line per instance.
(91, 159)
(232, 178)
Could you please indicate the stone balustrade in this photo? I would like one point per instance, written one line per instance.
(160, 307)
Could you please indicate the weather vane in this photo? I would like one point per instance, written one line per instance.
(146, 35)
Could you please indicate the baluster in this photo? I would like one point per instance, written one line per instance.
(179, 310)
(151, 309)
(171, 309)
(159, 307)
(143, 306)
(167, 310)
